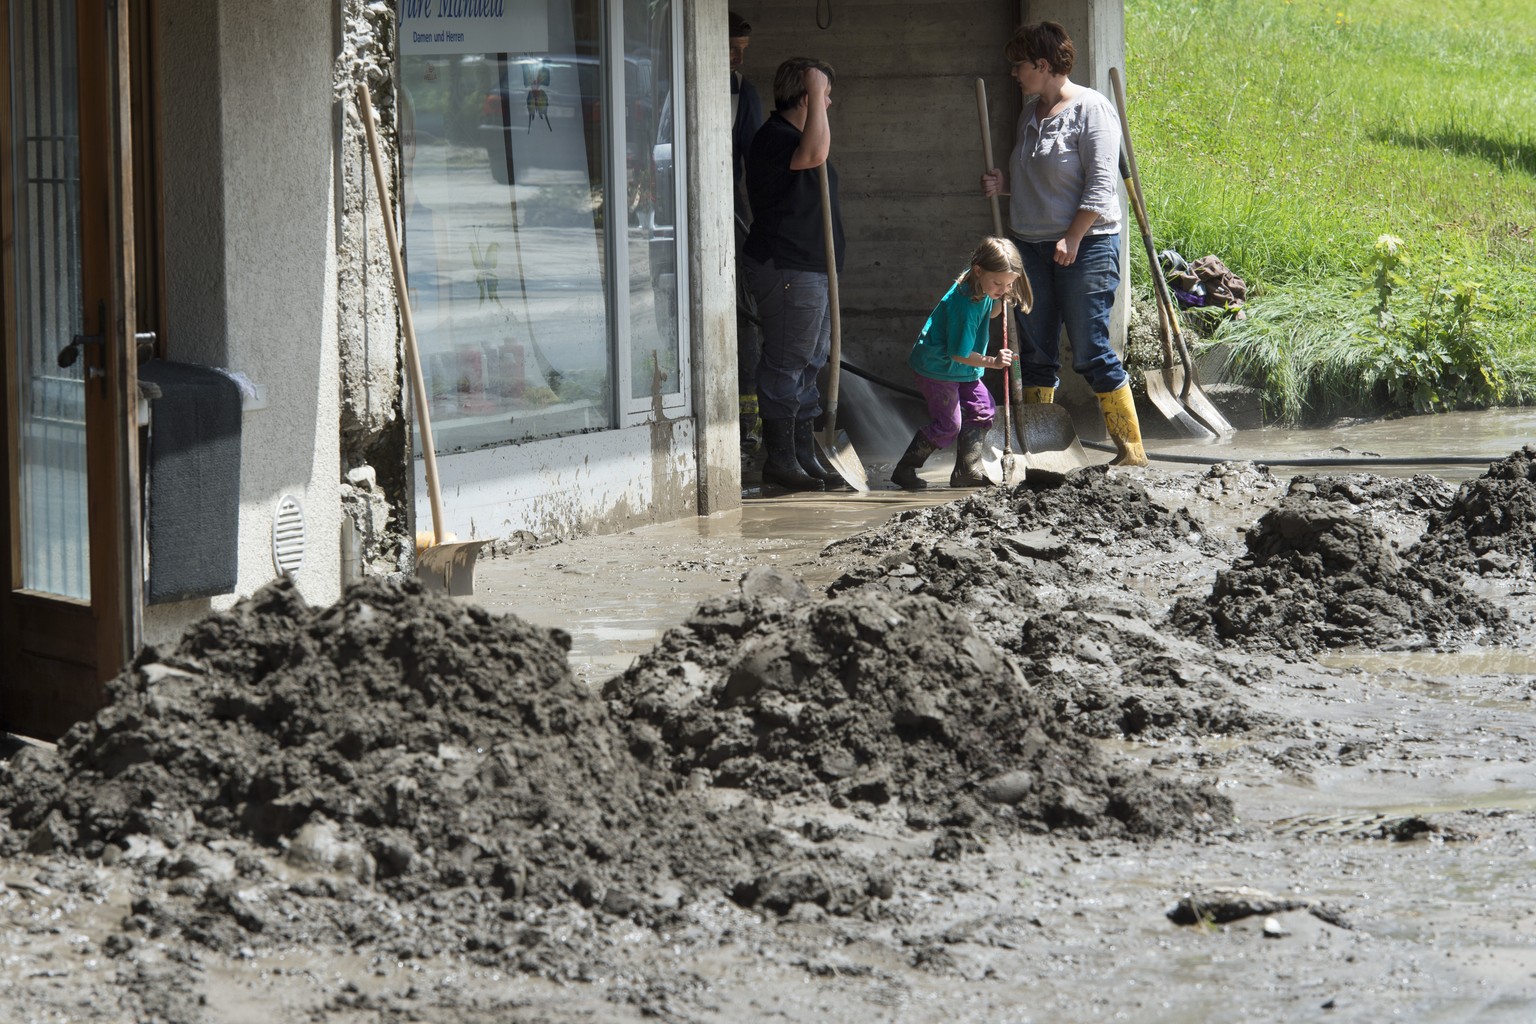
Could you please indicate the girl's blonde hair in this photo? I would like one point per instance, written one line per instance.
(999, 256)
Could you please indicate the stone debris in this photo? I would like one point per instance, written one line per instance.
(1223, 904)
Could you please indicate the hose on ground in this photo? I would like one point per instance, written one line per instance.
(1317, 461)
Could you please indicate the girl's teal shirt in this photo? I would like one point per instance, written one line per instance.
(958, 326)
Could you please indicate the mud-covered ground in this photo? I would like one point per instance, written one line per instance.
(1145, 746)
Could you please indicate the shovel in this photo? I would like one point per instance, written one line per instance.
(835, 446)
(1162, 387)
(447, 564)
(1011, 467)
(1044, 430)
(1181, 378)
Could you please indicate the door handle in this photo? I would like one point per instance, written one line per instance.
(70, 353)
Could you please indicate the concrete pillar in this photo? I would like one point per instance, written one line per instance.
(250, 254)
(711, 254)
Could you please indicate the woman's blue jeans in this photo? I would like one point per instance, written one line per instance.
(1078, 297)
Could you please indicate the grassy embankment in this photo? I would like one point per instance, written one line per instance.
(1369, 169)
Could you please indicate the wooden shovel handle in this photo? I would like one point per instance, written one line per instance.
(834, 360)
(1159, 283)
(986, 151)
(1013, 389)
(402, 298)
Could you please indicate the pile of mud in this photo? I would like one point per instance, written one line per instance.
(1318, 574)
(1490, 526)
(1421, 495)
(1001, 545)
(395, 765)
(1104, 667)
(1023, 562)
(870, 697)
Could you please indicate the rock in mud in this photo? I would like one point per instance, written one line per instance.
(1222, 904)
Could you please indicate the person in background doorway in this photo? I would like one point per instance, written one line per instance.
(786, 270)
(746, 118)
(949, 358)
(1064, 213)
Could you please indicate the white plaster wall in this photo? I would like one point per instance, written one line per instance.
(712, 254)
(590, 483)
(251, 266)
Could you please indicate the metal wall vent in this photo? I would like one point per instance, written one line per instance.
(288, 536)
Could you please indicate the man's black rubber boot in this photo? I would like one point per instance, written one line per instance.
(808, 454)
(782, 468)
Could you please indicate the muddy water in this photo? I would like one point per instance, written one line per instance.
(880, 422)
(617, 595)
(1490, 434)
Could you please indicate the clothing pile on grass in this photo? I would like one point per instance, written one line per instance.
(1204, 284)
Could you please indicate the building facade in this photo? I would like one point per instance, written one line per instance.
(203, 368)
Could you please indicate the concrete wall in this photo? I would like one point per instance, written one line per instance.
(907, 139)
(712, 255)
(603, 482)
(251, 274)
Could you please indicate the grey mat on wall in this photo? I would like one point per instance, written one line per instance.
(192, 515)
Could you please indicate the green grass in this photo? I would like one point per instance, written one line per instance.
(1287, 137)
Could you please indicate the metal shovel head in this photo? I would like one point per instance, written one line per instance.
(1198, 402)
(450, 567)
(839, 453)
(1166, 400)
(1049, 440)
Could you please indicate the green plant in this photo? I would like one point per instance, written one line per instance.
(1306, 350)
(1434, 352)
(1288, 139)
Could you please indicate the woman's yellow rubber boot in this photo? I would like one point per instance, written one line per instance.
(1119, 408)
(1039, 396)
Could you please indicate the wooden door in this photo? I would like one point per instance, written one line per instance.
(69, 605)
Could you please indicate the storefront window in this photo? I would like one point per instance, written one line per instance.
(513, 245)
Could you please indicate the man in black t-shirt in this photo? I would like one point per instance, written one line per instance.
(786, 269)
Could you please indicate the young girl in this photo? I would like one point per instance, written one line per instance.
(949, 358)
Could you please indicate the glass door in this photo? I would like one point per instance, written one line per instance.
(54, 547)
(64, 373)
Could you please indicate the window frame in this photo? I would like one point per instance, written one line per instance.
(637, 411)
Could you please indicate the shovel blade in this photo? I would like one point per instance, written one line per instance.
(450, 567)
(839, 453)
(1198, 402)
(1165, 399)
(1004, 468)
(1049, 440)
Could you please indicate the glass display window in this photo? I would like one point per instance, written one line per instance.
(541, 261)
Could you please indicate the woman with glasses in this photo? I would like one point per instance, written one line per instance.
(1064, 215)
